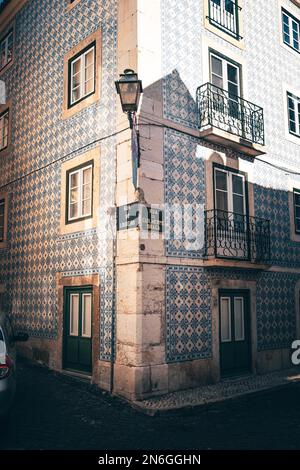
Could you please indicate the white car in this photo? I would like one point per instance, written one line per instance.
(8, 364)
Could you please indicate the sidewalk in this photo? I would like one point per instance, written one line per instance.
(227, 388)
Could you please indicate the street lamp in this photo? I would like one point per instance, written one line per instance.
(129, 87)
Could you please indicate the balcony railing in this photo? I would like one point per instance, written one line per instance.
(236, 236)
(225, 15)
(3, 4)
(230, 113)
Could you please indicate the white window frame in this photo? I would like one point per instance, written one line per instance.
(4, 129)
(296, 101)
(82, 83)
(225, 63)
(292, 21)
(229, 339)
(296, 191)
(5, 41)
(230, 194)
(83, 313)
(241, 338)
(2, 227)
(80, 171)
(74, 328)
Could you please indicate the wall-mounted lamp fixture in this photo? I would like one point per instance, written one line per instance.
(130, 88)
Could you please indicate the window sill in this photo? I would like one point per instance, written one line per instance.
(80, 106)
(80, 226)
(226, 36)
(292, 138)
(290, 49)
(295, 237)
(79, 220)
(6, 151)
(70, 6)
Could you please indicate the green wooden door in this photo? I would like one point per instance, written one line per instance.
(78, 320)
(235, 338)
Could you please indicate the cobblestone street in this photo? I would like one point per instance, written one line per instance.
(54, 411)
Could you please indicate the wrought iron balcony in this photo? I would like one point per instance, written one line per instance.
(222, 113)
(235, 236)
(225, 15)
(3, 4)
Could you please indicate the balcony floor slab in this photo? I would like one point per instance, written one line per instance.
(226, 139)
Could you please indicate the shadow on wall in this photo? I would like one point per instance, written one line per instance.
(190, 164)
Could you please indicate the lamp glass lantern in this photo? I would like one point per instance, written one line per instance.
(129, 87)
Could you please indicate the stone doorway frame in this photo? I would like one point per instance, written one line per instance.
(220, 284)
(62, 282)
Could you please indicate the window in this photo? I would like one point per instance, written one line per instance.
(290, 30)
(230, 194)
(6, 50)
(80, 191)
(224, 15)
(4, 129)
(86, 328)
(2, 220)
(225, 319)
(80, 194)
(239, 321)
(74, 314)
(297, 210)
(225, 75)
(82, 75)
(294, 114)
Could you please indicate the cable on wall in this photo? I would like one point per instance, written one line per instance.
(36, 170)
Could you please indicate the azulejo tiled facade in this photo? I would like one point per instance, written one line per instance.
(185, 44)
(188, 310)
(188, 314)
(158, 306)
(276, 313)
(274, 205)
(184, 188)
(45, 31)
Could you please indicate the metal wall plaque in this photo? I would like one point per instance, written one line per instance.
(139, 215)
(128, 216)
(152, 219)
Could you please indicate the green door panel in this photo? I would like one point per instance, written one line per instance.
(77, 348)
(72, 350)
(235, 348)
(84, 353)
